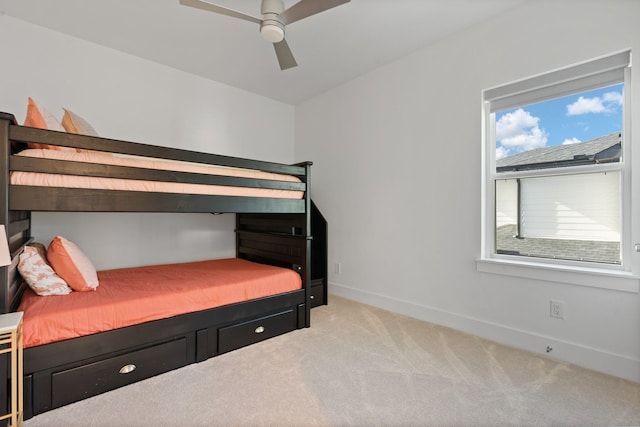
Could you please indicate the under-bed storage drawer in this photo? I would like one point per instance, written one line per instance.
(252, 331)
(318, 296)
(88, 380)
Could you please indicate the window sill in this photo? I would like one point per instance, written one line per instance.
(590, 277)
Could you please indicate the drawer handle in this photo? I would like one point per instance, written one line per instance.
(311, 297)
(127, 369)
(259, 329)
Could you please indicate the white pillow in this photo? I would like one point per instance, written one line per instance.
(73, 123)
(39, 275)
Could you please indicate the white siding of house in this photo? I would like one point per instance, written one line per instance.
(572, 207)
(506, 202)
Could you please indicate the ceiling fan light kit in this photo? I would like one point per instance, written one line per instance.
(273, 33)
(274, 19)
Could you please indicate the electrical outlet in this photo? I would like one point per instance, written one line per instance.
(557, 309)
(337, 268)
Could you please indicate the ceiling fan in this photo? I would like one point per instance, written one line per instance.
(274, 19)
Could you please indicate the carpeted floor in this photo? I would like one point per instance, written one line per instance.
(362, 366)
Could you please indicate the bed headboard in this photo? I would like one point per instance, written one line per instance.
(17, 225)
(18, 235)
(12, 286)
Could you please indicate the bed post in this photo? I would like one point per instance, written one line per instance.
(5, 151)
(5, 121)
(17, 223)
(307, 269)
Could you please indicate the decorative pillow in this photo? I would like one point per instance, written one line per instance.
(39, 275)
(42, 250)
(70, 263)
(38, 117)
(73, 123)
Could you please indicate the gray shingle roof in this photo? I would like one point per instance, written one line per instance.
(604, 148)
(575, 250)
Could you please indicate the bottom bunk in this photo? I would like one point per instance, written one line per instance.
(63, 372)
(62, 369)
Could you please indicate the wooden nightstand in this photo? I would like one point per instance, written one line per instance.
(11, 342)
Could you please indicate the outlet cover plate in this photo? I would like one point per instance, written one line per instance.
(556, 309)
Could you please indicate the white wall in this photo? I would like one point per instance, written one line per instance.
(128, 98)
(397, 171)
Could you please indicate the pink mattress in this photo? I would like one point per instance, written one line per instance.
(129, 296)
(71, 181)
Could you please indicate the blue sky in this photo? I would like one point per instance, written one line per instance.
(567, 120)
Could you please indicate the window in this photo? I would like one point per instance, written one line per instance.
(556, 173)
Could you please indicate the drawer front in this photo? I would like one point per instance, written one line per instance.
(245, 333)
(89, 380)
(317, 295)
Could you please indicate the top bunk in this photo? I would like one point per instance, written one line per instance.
(45, 170)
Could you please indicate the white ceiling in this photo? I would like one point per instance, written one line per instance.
(331, 48)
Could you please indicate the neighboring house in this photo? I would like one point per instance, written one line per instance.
(600, 150)
(558, 207)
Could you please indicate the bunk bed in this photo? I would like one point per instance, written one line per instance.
(271, 230)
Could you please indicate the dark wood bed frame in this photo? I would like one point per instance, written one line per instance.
(269, 230)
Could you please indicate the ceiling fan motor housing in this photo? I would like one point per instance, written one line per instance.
(272, 27)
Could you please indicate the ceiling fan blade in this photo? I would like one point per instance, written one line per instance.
(198, 4)
(285, 57)
(305, 8)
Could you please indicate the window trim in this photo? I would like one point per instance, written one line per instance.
(585, 76)
(555, 84)
(615, 280)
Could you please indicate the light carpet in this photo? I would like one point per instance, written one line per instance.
(362, 366)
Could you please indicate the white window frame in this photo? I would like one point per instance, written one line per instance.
(600, 72)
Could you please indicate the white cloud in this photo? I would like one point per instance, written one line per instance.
(501, 152)
(573, 140)
(584, 106)
(608, 103)
(519, 130)
(613, 98)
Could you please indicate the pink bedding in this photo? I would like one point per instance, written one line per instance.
(129, 296)
(70, 181)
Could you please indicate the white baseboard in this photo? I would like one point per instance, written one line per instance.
(574, 353)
